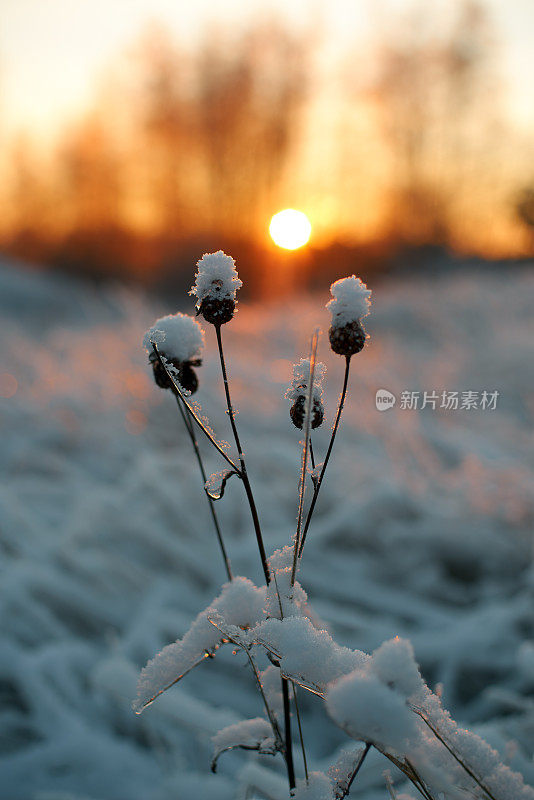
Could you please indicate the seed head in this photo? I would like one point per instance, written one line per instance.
(215, 287)
(180, 340)
(347, 339)
(350, 302)
(217, 311)
(185, 374)
(298, 410)
(298, 392)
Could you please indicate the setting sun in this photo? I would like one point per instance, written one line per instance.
(290, 229)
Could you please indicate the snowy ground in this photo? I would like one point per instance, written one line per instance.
(423, 528)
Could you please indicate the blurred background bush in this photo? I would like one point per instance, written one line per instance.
(138, 135)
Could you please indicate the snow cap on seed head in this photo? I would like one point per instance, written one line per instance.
(178, 336)
(350, 301)
(301, 380)
(216, 277)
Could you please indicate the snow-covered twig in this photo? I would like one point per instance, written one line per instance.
(301, 735)
(211, 502)
(246, 649)
(328, 454)
(305, 448)
(243, 470)
(179, 394)
(454, 754)
(359, 765)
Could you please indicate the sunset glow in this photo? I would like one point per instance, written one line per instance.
(290, 229)
(127, 136)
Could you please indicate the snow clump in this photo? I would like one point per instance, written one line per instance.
(216, 278)
(350, 300)
(178, 336)
(307, 655)
(301, 380)
(240, 603)
(250, 734)
(369, 710)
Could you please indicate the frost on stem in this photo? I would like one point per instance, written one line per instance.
(216, 483)
(240, 604)
(283, 598)
(308, 656)
(335, 784)
(298, 391)
(350, 302)
(341, 773)
(180, 340)
(386, 702)
(382, 699)
(249, 734)
(215, 287)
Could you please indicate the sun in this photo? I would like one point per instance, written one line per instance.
(290, 229)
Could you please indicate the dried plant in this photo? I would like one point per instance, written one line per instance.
(380, 700)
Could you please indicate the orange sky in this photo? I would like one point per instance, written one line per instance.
(54, 55)
(53, 52)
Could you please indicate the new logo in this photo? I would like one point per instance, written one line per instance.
(384, 400)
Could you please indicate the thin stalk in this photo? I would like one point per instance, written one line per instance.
(288, 749)
(179, 394)
(149, 702)
(211, 503)
(270, 713)
(243, 470)
(301, 737)
(312, 455)
(408, 769)
(418, 782)
(305, 447)
(456, 757)
(287, 729)
(287, 744)
(328, 452)
(358, 766)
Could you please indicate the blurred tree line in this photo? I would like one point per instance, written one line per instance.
(185, 152)
(178, 149)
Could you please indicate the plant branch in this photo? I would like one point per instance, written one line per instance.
(417, 781)
(288, 749)
(243, 470)
(328, 453)
(305, 448)
(287, 729)
(408, 769)
(211, 503)
(456, 757)
(179, 394)
(301, 737)
(312, 455)
(358, 765)
(270, 713)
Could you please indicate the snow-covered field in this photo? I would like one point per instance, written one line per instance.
(423, 528)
